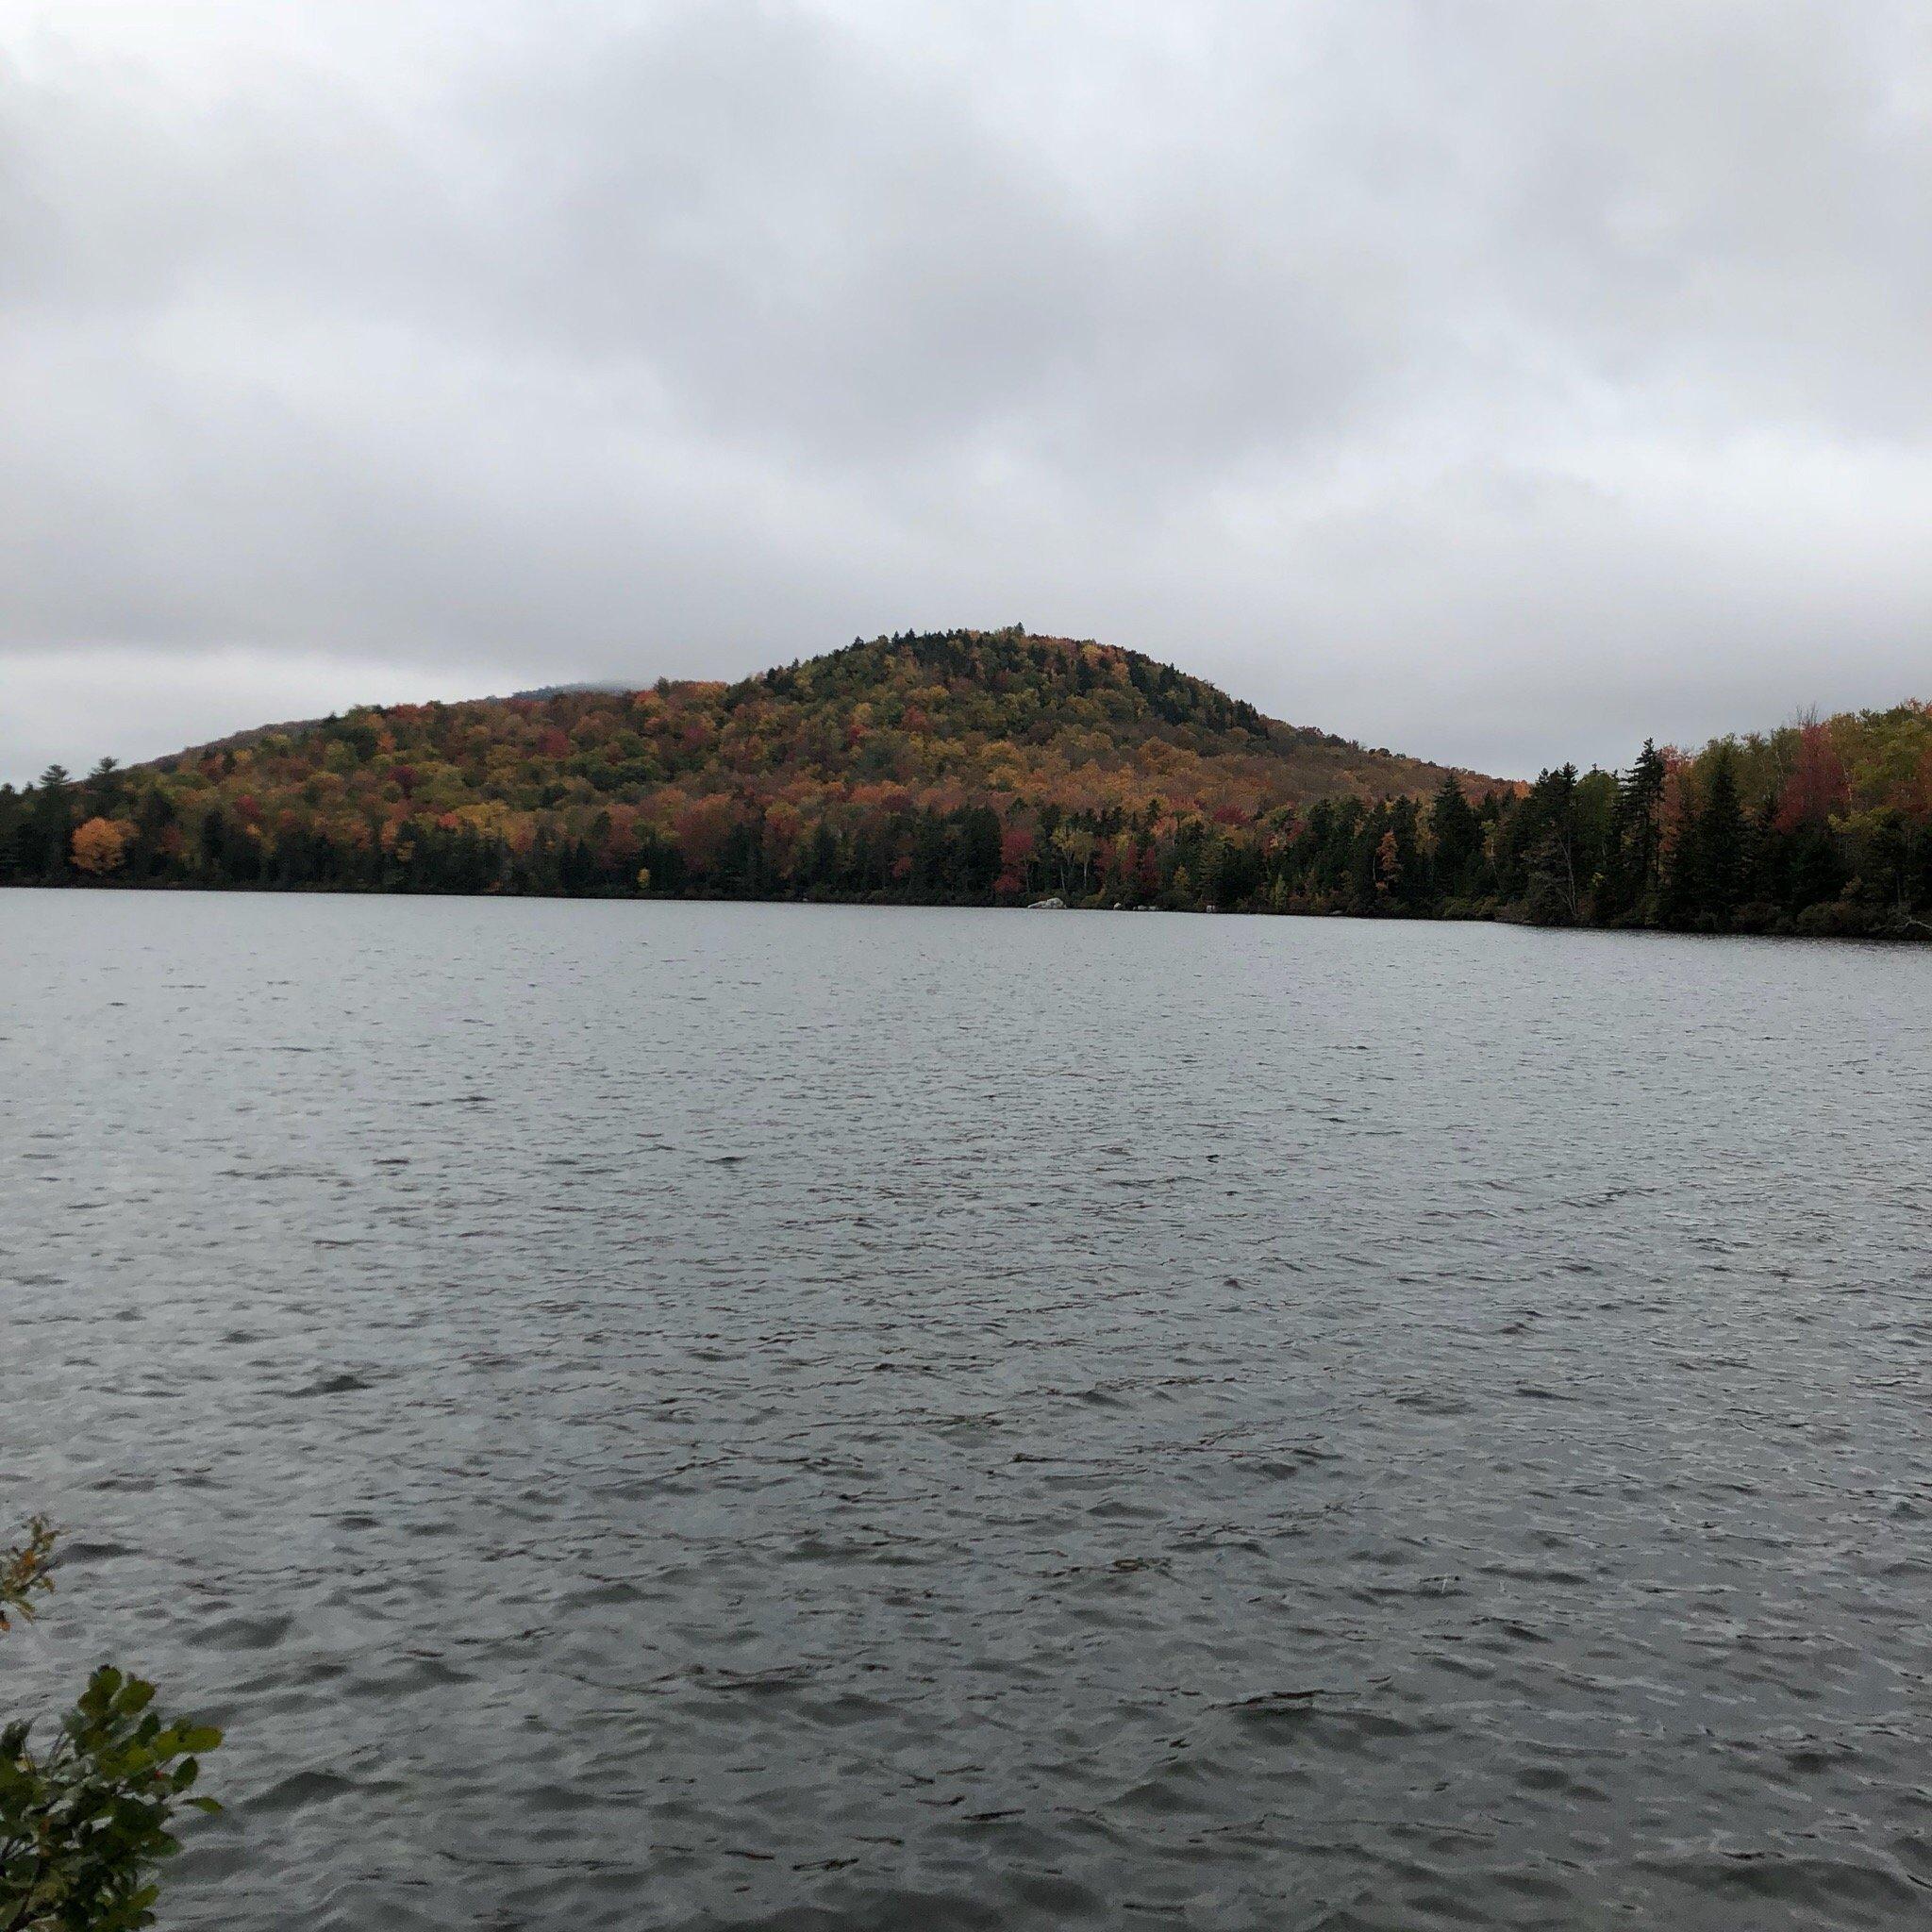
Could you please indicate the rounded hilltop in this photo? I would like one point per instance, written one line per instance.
(956, 766)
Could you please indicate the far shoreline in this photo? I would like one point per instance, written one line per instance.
(1508, 916)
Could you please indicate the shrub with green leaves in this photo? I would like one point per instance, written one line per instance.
(84, 1826)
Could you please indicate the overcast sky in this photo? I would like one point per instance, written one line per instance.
(1500, 382)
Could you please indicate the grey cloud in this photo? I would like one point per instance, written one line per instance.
(1500, 381)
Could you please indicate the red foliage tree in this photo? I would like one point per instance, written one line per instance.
(1817, 788)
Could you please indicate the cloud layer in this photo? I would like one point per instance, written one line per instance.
(1499, 381)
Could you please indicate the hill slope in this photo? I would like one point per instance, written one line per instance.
(977, 767)
(965, 765)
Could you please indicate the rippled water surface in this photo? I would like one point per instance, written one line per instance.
(713, 1416)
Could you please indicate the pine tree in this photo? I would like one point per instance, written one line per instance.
(1723, 850)
(47, 830)
(1459, 836)
(1631, 876)
(1553, 878)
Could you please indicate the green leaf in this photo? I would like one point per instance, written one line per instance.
(83, 1826)
(134, 1694)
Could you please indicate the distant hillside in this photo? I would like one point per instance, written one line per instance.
(994, 767)
(965, 765)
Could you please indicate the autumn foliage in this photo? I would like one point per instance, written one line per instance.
(963, 765)
(995, 767)
(100, 844)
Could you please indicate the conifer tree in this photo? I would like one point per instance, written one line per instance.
(1458, 836)
(1721, 849)
(1631, 875)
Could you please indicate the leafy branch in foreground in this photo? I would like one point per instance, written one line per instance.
(23, 1571)
(83, 1827)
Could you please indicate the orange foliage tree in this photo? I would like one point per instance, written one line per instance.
(101, 844)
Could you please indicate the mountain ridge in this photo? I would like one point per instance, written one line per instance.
(971, 767)
(1203, 700)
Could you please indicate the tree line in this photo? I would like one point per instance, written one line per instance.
(993, 768)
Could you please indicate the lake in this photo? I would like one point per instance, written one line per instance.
(703, 1416)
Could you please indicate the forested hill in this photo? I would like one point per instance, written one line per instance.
(963, 765)
(993, 767)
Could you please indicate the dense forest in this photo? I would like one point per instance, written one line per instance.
(997, 768)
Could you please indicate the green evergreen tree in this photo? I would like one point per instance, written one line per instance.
(1554, 874)
(1458, 838)
(48, 827)
(1632, 873)
(1723, 852)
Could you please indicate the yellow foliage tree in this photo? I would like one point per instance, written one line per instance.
(101, 844)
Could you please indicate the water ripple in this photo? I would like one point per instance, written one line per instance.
(730, 1417)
